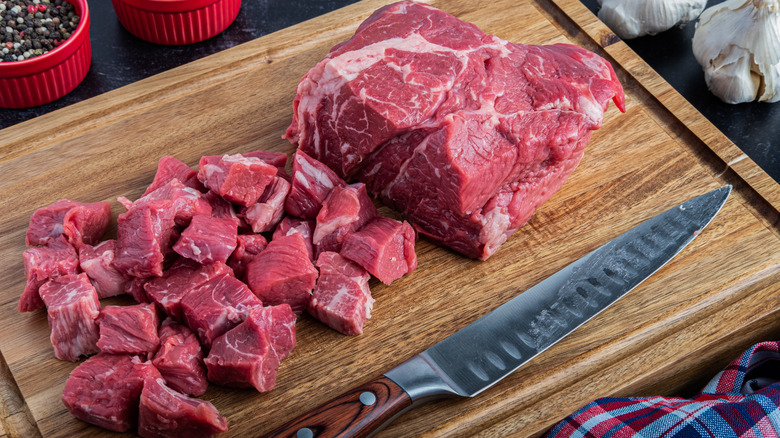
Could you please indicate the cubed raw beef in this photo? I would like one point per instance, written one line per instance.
(249, 245)
(105, 390)
(249, 354)
(290, 225)
(217, 306)
(269, 209)
(129, 329)
(187, 202)
(180, 359)
(167, 413)
(169, 168)
(311, 183)
(384, 247)
(57, 258)
(79, 222)
(463, 133)
(135, 288)
(341, 299)
(143, 238)
(73, 307)
(219, 206)
(344, 211)
(276, 159)
(208, 239)
(236, 178)
(168, 291)
(283, 273)
(97, 263)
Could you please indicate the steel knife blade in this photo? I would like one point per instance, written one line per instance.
(487, 350)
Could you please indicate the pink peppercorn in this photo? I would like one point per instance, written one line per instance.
(41, 8)
(32, 9)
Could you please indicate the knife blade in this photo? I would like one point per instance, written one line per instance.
(487, 350)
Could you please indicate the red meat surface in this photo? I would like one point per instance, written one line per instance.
(167, 413)
(105, 390)
(169, 168)
(216, 306)
(311, 183)
(344, 211)
(248, 246)
(129, 329)
(283, 273)
(187, 202)
(98, 263)
(463, 133)
(180, 359)
(73, 307)
(291, 225)
(341, 300)
(208, 239)
(268, 211)
(168, 291)
(219, 206)
(143, 238)
(236, 178)
(79, 222)
(249, 354)
(384, 247)
(57, 258)
(135, 288)
(276, 159)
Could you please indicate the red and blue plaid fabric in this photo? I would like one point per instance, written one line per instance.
(742, 401)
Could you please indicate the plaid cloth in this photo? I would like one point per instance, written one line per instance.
(741, 401)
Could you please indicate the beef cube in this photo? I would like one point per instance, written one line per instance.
(249, 245)
(269, 209)
(216, 306)
(97, 263)
(129, 329)
(169, 168)
(463, 133)
(105, 390)
(290, 225)
(344, 211)
(208, 239)
(165, 413)
(219, 206)
(168, 291)
(79, 222)
(249, 354)
(187, 202)
(341, 299)
(311, 183)
(143, 238)
(283, 273)
(135, 288)
(73, 307)
(236, 178)
(180, 359)
(57, 258)
(384, 247)
(276, 159)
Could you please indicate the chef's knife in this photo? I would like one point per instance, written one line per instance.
(487, 350)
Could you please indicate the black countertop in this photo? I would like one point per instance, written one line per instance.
(754, 127)
(119, 58)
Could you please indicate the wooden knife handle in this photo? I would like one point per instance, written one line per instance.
(356, 413)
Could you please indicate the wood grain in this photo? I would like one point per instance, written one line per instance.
(668, 336)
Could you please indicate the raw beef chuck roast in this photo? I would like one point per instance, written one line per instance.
(464, 133)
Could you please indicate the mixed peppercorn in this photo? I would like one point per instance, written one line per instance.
(30, 28)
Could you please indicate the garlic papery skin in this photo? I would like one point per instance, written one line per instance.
(738, 44)
(634, 18)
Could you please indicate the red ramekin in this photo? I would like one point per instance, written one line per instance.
(44, 78)
(176, 22)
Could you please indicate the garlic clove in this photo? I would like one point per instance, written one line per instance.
(738, 45)
(633, 18)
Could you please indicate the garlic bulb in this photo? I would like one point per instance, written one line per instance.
(738, 44)
(634, 18)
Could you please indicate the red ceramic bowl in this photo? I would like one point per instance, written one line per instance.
(42, 79)
(176, 22)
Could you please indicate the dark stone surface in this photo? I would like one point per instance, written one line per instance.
(754, 127)
(119, 58)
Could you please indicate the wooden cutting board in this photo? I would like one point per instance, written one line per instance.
(669, 336)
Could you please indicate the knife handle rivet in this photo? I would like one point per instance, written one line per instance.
(304, 432)
(367, 398)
